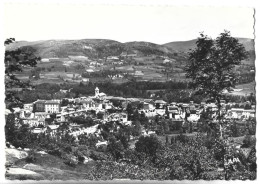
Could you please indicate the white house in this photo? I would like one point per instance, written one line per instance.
(112, 58)
(52, 106)
(31, 122)
(28, 106)
(38, 130)
(98, 144)
(41, 115)
(85, 79)
(193, 117)
(45, 60)
(240, 112)
(26, 114)
(174, 112)
(249, 113)
(52, 129)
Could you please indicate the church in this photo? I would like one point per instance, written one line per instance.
(98, 94)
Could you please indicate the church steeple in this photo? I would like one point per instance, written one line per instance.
(96, 92)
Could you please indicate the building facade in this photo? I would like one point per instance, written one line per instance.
(52, 106)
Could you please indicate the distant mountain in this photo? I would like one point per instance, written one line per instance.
(185, 46)
(149, 48)
(92, 48)
(248, 43)
(181, 46)
(65, 48)
(99, 48)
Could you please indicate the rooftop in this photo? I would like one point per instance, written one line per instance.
(51, 102)
(160, 101)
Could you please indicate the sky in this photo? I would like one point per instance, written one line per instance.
(157, 24)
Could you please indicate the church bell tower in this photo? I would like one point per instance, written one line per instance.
(96, 92)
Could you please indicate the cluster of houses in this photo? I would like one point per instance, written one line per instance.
(38, 114)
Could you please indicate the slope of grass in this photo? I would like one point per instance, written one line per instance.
(52, 168)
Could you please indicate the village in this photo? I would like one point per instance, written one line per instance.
(46, 116)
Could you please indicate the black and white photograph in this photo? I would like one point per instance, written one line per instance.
(122, 92)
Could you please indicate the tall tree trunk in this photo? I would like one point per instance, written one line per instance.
(221, 134)
(219, 117)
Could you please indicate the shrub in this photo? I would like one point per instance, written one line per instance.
(248, 141)
(102, 148)
(183, 138)
(31, 158)
(68, 149)
(55, 152)
(148, 145)
(70, 160)
(98, 155)
(209, 142)
(80, 156)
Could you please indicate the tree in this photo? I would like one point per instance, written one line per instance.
(167, 139)
(137, 128)
(10, 128)
(80, 67)
(190, 160)
(15, 60)
(115, 148)
(211, 66)
(135, 116)
(103, 51)
(148, 145)
(129, 110)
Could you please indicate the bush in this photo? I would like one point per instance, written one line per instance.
(248, 141)
(252, 160)
(183, 138)
(68, 149)
(148, 145)
(209, 142)
(55, 152)
(102, 148)
(80, 156)
(31, 158)
(70, 160)
(98, 155)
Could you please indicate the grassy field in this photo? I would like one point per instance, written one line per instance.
(54, 71)
(51, 168)
(246, 89)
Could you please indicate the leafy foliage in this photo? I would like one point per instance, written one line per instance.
(148, 145)
(15, 61)
(115, 148)
(211, 64)
(211, 67)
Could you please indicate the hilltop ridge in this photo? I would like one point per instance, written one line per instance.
(95, 47)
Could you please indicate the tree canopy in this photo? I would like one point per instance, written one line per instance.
(211, 64)
(15, 60)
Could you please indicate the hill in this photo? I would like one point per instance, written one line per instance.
(182, 46)
(157, 62)
(46, 167)
(141, 46)
(93, 48)
(98, 48)
(65, 48)
(185, 46)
